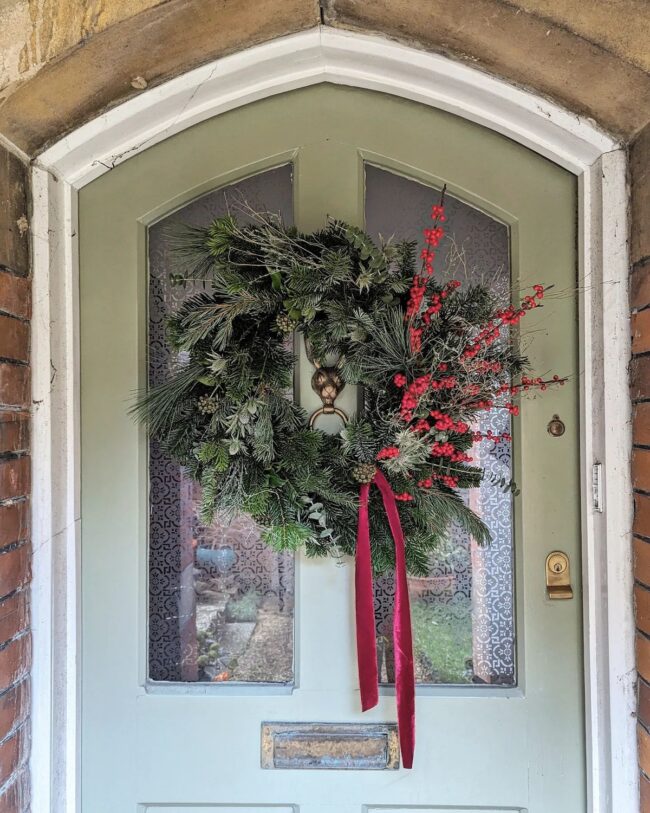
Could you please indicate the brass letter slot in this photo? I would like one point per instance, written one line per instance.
(558, 576)
(330, 746)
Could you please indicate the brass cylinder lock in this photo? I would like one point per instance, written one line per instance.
(558, 576)
(556, 427)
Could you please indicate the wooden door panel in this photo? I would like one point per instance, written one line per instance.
(478, 748)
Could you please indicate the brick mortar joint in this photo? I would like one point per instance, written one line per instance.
(5, 314)
(12, 546)
(15, 362)
(20, 590)
(6, 269)
(25, 320)
(22, 724)
(16, 407)
(7, 501)
(19, 454)
(22, 767)
(18, 637)
(637, 264)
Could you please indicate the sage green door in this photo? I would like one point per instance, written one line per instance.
(194, 637)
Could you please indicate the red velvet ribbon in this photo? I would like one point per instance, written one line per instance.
(365, 618)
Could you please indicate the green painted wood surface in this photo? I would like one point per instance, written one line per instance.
(488, 749)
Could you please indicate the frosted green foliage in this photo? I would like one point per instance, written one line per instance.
(226, 416)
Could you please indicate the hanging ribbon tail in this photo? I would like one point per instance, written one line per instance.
(402, 631)
(365, 609)
(365, 617)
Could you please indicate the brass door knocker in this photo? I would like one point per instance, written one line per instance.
(327, 383)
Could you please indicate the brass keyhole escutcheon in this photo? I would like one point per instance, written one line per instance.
(558, 576)
(556, 427)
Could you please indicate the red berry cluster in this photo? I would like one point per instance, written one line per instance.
(455, 393)
(388, 453)
(427, 256)
(411, 397)
(446, 424)
(487, 366)
(477, 437)
(415, 336)
(512, 315)
(448, 449)
(418, 290)
(434, 308)
(416, 295)
(446, 383)
(447, 479)
(531, 383)
(527, 383)
(483, 339)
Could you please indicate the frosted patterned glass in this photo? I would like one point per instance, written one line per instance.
(220, 602)
(464, 612)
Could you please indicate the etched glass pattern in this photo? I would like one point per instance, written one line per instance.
(220, 602)
(464, 612)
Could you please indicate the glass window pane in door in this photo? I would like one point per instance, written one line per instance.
(220, 602)
(464, 611)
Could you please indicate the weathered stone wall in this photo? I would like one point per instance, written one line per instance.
(35, 32)
(65, 61)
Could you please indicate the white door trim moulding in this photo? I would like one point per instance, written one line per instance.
(324, 55)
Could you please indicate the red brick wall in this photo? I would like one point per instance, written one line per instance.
(15, 474)
(640, 392)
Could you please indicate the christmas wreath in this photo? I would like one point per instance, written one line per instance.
(429, 356)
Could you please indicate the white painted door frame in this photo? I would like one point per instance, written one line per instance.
(325, 55)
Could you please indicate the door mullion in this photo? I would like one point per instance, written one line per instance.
(328, 181)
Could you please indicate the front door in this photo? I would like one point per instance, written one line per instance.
(201, 650)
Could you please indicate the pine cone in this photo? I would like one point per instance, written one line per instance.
(285, 323)
(364, 472)
(207, 405)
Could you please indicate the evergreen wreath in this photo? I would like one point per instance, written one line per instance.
(429, 357)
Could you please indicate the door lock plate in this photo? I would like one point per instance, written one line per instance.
(558, 576)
